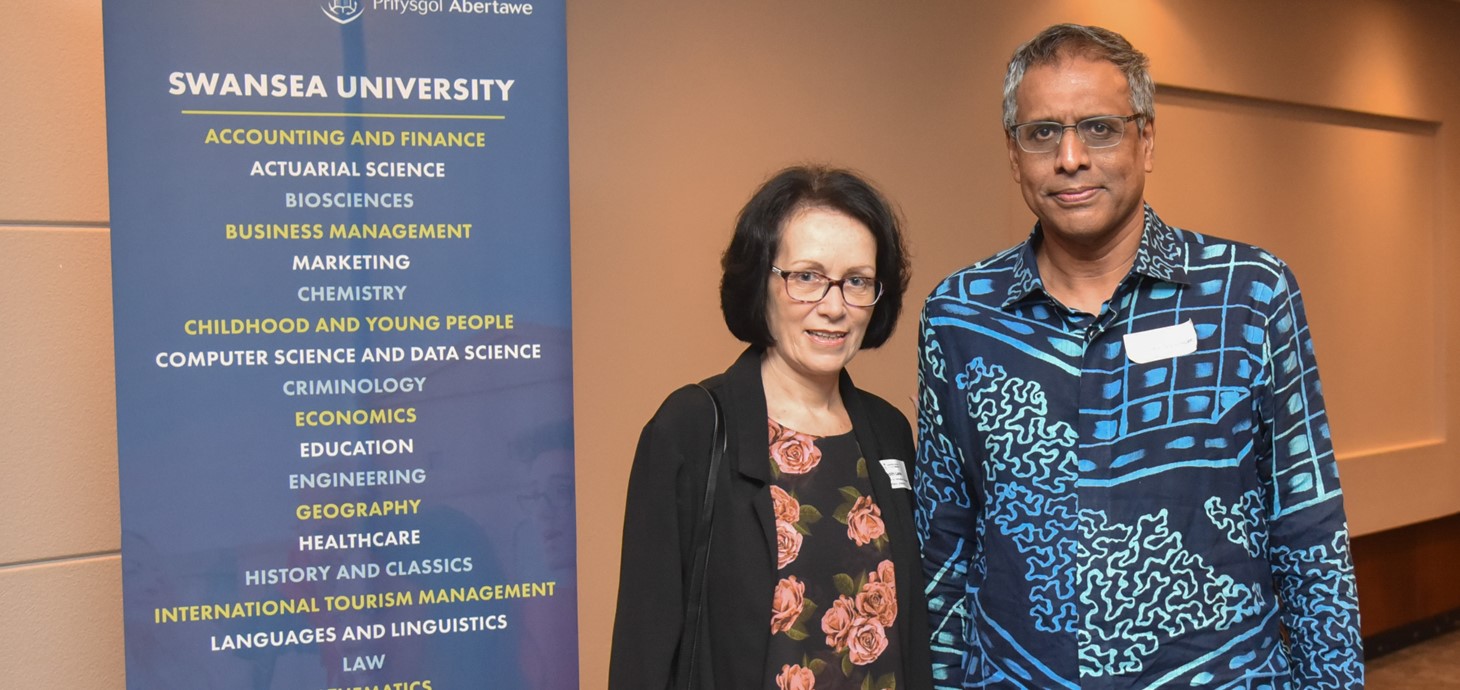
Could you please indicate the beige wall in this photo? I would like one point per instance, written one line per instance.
(60, 577)
(1315, 128)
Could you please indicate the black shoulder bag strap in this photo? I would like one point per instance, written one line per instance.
(689, 635)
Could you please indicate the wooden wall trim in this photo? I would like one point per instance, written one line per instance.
(1408, 575)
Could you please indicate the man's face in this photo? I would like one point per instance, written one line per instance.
(1082, 195)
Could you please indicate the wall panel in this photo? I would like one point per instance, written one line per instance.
(61, 624)
(52, 118)
(58, 476)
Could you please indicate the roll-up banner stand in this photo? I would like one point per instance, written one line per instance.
(343, 351)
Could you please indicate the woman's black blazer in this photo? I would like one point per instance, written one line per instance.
(666, 488)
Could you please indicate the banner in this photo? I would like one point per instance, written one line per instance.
(340, 260)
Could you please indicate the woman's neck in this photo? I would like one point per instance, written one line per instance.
(811, 405)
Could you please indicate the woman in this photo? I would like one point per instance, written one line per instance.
(814, 577)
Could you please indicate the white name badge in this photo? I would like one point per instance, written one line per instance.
(1161, 343)
(897, 472)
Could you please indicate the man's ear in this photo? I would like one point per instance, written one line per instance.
(1014, 157)
(1148, 145)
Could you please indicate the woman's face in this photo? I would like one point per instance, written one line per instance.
(817, 340)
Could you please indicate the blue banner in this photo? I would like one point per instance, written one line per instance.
(340, 261)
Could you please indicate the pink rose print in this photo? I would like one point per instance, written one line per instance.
(885, 575)
(787, 603)
(776, 430)
(788, 544)
(795, 677)
(866, 642)
(877, 601)
(787, 509)
(864, 521)
(837, 622)
(796, 454)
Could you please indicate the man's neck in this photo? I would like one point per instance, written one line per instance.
(1081, 276)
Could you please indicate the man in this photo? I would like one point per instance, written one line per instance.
(1124, 477)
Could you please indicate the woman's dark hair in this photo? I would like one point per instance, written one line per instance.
(747, 261)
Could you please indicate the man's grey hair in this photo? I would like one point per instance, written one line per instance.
(1065, 40)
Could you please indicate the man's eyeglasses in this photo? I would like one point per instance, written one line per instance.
(1101, 132)
(810, 286)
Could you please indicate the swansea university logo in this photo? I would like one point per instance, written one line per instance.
(343, 11)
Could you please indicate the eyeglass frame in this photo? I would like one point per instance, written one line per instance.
(830, 283)
(1014, 131)
(556, 497)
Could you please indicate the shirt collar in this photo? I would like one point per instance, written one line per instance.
(1162, 256)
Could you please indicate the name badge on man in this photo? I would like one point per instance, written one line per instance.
(897, 472)
(1161, 343)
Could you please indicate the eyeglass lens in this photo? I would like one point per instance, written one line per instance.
(809, 286)
(1095, 132)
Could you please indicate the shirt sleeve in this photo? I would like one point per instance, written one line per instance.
(944, 512)
(1308, 532)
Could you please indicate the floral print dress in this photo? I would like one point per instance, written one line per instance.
(836, 596)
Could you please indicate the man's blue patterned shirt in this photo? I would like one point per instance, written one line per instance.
(1090, 521)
